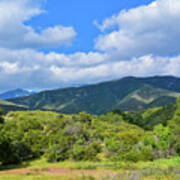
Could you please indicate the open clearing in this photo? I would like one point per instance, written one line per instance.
(41, 170)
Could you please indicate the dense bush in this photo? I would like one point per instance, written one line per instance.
(8, 153)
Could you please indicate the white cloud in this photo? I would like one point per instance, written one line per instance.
(31, 69)
(142, 66)
(9, 68)
(151, 29)
(78, 59)
(50, 37)
(15, 34)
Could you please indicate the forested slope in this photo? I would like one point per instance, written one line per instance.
(126, 94)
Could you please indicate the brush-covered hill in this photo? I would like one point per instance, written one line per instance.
(9, 106)
(151, 117)
(147, 97)
(127, 94)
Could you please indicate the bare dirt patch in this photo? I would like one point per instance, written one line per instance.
(59, 172)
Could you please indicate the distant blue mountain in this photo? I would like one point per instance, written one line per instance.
(15, 94)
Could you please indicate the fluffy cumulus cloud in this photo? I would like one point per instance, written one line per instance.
(15, 34)
(142, 66)
(143, 41)
(151, 29)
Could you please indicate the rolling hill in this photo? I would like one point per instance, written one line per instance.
(147, 97)
(127, 94)
(9, 106)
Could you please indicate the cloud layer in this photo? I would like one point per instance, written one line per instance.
(143, 41)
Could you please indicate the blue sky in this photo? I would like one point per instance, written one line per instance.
(46, 44)
(81, 14)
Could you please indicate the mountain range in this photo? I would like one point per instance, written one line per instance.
(126, 94)
(15, 94)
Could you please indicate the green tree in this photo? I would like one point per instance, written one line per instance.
(8, 154)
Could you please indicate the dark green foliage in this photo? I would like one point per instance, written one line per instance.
(165, 82)
(8, 153)
(149, 118)
(1, 117)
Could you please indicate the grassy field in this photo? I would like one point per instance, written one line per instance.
(42, 170)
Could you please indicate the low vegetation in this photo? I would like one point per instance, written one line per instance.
(114, 140)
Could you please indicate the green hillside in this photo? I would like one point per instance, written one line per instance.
(9, 106)
(126, 94)
(151, 117)
(147, 97)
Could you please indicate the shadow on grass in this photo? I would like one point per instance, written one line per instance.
(14, 166)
